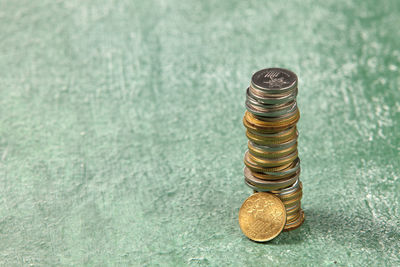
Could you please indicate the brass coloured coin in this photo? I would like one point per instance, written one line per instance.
(270, 129)
(270, 154)
(262, 140)
(262, 123)
(254, 167)
(296, 224)
(262, 217)
(264, 162)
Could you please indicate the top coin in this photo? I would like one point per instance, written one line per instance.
(274, 80)
(262, 217)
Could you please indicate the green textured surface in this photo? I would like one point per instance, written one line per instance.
(121, 140)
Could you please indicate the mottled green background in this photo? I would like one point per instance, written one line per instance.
(121, 140)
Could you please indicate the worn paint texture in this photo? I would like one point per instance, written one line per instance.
(121, 140)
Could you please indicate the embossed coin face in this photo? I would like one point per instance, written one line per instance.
(262, 217)
(274, 80)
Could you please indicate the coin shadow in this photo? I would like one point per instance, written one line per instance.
(358, 230)
(296, 236)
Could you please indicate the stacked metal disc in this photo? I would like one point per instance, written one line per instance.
(272, 162)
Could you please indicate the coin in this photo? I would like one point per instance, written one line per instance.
(284, 117)
(293, 210)
(289, 205)
(292, 217)
(262, 217)
(257, 125)
(270, 154)
(275, 147)
(261, 123)
(264, 185)
(264, 98)
(284, 172)
(274, 80)
(266, 162)
(289, 190)
(296, 195)
(266, 170)
(266, 129)
(275, 111)
(293, 202)
(272, 163)
(268, 177)
(296, 224)
(280, 134)
(268, 141)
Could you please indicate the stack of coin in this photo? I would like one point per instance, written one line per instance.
(272, 162)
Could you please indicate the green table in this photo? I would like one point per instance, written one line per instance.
(121, 140)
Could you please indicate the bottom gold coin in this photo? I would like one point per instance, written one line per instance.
(262, 217)
(296, 224)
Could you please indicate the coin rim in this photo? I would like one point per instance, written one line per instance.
(265, 185)
(265, 162)
(268, 98)
(301, 219)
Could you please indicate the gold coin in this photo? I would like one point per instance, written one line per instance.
(262, 217)
(295, 198)
(292, 217)
(273, 154)
(264, 162)
(255, 128)
(295, 195)
(264, 121)
(292, 203)
(262, 140)
(260, 123)
(278, 174)
(271, 177)
(280, 134)
(296, 224)
(292, 211)
(254, 167)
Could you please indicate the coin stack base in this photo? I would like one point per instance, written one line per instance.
(272, 162)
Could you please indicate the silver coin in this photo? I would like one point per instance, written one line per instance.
(257, 102)
(253, 100)
(272, 112)
(260, 188)
(290, 113)
(289, 190)
(274, 80)
(276, 147)
(264, 185)
(270, 99)
(291, 169)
